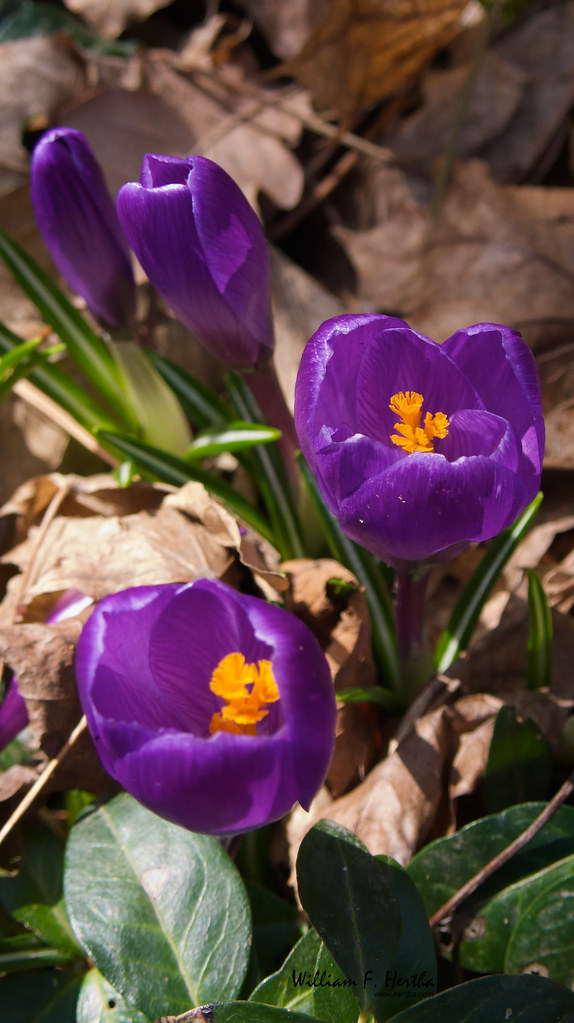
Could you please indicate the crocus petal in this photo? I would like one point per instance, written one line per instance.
(203, 248)
(13, 713)
(144, 663)
(412, 506)
(78, 222)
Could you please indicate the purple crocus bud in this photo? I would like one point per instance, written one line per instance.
(13, 712)
(78, 222)
(214, 709)
(203, 248)
(420, 448)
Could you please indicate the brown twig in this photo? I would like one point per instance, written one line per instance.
(445, 912)
(41, 781)
(49, 408)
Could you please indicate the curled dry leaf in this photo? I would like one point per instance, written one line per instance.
(101, 539)
(365, 50)
(340, 620)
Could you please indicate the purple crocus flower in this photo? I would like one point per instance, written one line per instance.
(78, 222)
(420, 448)
(214, 709)
(203, 248)
(13, 712)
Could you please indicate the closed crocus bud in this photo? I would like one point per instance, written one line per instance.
(420, 448)
(78, 222)
(203, 248)
(214, 709)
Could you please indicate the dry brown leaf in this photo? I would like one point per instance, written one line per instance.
(102, 539)
(285, 26)
(109, 17)
(342, 627)
(364, 50)
(519, 104)
(393, 809)
(497, 254)
(37, 76)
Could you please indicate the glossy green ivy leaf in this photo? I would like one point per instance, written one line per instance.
(539, 648)
(48, 997)
(310, 981)
(251, 1012)
(33, 895)
(543, 940)
(370, 917)
(488, 937)
(519, 765)
(489, 999)
(99, 1002)
(444, 866)
(162, 912)
(287, 988)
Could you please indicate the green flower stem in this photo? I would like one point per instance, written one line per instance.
(414, 653)
(269, 396)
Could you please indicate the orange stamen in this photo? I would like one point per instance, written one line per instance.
(411, 436)
(246, 689)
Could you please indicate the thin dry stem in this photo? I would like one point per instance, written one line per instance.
(49, 408)
(42, 780)
(445, 912)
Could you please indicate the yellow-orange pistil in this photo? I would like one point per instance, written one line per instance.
(246, 689)
(411, 436)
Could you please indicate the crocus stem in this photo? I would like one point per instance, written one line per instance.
(269, 395)
(409, 599)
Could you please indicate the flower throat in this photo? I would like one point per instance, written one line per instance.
(411, 435)
(246, 689)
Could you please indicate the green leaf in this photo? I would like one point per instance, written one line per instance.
(288, 987)
(464, 618)
(21, 19)
(490, 999)
(62, 388)
(203, 406)
(539, 670)
(374, 694)
(489, 917)
(48, 997)
(370, 576)
(276, 925)
(87, 349)
(519, 764)
(99, 1002)
(267, 468)
(234, 436)
(33, 896)
(444, 866)
(154, 405)
(310, 981)
(176, 471)
(543, 940)
(162, 912)
(370, 917)
(251, 1012)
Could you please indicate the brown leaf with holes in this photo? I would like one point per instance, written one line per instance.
(365, 50)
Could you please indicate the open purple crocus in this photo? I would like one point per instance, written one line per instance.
(203, 248)
(420, 448)
(214, 709)
(78, 222)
